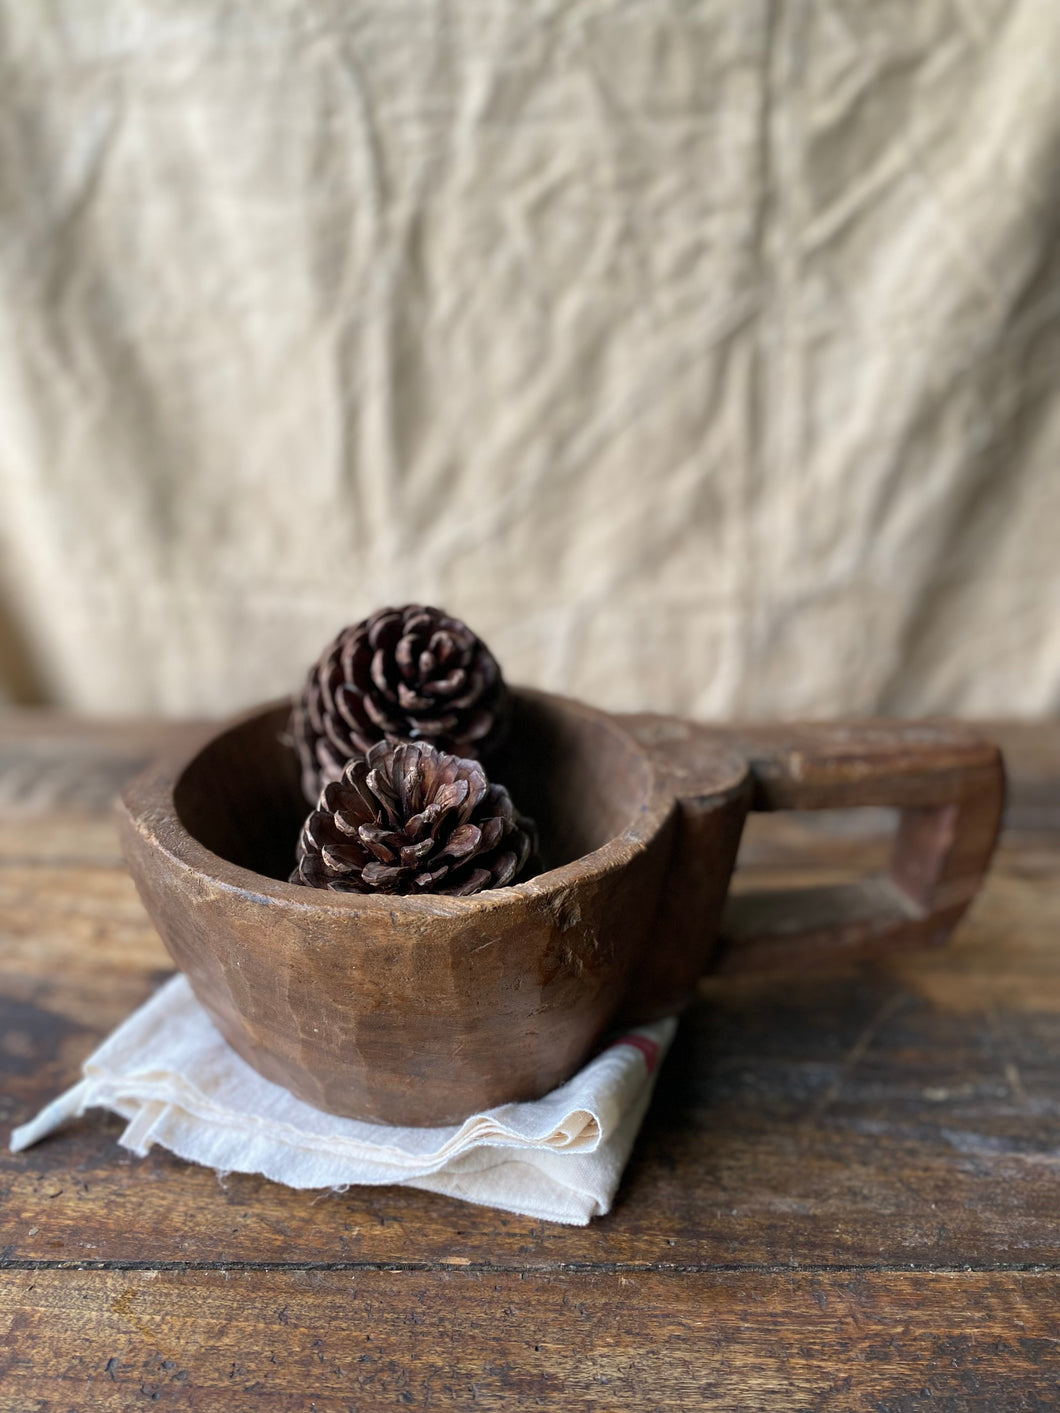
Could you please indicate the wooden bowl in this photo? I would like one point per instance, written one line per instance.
(424, 1010)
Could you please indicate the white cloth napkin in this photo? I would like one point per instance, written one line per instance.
(168, 1071)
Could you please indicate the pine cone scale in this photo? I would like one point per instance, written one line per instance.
(473, 884)
(348, 707)
(410, 701)
(413, 854)
(385, 628)
(379, 875)
(466, 839)
(379, 674)
(504, 870)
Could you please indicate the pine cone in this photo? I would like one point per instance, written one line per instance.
(409, 673)
(411, 819)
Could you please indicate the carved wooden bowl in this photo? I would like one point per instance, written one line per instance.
(424, 1010)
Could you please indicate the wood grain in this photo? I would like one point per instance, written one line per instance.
(845, 1194)
(332, 1341)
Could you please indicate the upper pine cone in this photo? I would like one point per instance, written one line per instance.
(410, 673)
(411, 819)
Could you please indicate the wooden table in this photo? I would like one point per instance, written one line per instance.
(846, 1194)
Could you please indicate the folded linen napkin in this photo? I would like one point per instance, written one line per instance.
(168, 1071)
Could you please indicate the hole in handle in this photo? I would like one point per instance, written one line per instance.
(899, 896)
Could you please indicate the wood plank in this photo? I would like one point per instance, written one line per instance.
(95, 757)
(1032, 763)
(95, 737)
(49, 761)
(365, 1339)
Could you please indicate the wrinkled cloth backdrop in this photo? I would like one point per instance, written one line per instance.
(703, 356)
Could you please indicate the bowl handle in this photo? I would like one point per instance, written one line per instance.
(947, 783)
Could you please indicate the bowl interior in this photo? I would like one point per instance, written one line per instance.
(581, 778)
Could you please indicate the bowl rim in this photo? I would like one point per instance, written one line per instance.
(148, 803)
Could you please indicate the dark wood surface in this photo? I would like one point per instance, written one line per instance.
(846, 1194)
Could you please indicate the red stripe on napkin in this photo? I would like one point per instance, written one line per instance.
(647, 1047)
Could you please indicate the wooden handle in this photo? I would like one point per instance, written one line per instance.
(948, 784)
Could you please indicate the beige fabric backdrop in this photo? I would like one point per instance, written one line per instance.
(704, 356)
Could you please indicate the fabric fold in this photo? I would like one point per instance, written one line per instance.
(169, 1073)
